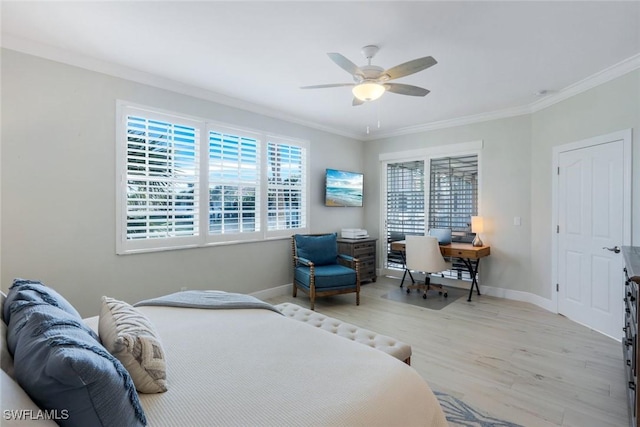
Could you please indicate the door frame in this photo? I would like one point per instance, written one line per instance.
(625, 136)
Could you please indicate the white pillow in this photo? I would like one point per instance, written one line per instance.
(18, 409)
(127, 334)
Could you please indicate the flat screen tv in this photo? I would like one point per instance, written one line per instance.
(343, 188)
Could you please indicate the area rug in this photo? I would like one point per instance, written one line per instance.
(459, 414)
(433, 301)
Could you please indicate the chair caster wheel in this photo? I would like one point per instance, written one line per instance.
(408, 291)
(439, 292)
(424, 296)
(446, 295)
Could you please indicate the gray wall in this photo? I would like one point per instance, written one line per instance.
(516, 177)
(58, 190)
(607, 108)
(504, 190)
(58, 185)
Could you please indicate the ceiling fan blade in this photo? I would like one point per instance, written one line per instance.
(346, 64)
(357, 102)
(403, 89)
(410, 67)
(329, 85)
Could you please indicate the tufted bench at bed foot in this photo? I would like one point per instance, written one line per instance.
(389, 345)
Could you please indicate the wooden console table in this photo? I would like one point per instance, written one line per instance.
(467, 253)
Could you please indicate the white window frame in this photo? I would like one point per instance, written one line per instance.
(203, 237)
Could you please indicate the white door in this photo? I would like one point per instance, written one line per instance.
(590, 200)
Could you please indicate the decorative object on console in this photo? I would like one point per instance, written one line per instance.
(477, 227)
(354, 233)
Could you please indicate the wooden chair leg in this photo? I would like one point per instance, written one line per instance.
(295, 290)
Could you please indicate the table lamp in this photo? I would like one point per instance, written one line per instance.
(477, 227)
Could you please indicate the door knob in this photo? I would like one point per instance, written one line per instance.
(615, 249)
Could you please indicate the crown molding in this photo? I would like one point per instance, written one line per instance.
(82, 61)
(449, 123)
(613, 72)
(617, 70)
(93, 64)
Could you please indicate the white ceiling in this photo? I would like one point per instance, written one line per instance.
(492, 56)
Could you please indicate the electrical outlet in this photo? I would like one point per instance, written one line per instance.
(517, 221)
(183, 288)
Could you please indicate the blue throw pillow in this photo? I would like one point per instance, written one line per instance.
(35, 292)
(64, 369)
(321, 249)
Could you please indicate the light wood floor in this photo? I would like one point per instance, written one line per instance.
(512, 359)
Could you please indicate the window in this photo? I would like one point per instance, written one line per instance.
(453, 200)
(453, 194)
(184, 182)
(433, 188)
(286, 177)
(405, 204)
(234, 184)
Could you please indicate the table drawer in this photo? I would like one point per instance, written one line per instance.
(467, 253)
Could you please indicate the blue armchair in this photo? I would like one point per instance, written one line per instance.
(318, 269)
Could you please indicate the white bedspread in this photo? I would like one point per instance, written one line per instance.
(257, 368)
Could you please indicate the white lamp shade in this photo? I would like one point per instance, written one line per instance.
(368, 91)
(477, 224)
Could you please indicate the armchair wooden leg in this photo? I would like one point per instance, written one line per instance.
(295, 290)
(358, 298)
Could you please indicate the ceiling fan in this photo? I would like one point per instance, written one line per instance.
(371, 81)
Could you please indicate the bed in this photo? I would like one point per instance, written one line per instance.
(256, 367)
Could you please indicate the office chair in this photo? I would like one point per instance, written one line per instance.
(423, 255)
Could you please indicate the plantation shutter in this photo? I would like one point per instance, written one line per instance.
(405, 204)
(234, 183)
(161, 178)
(453, 195)
(286, 189)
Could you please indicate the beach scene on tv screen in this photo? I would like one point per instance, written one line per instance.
(343, 188)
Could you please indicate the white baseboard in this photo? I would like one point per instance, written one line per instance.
(273, 292)
(547, 304)
(485, 290)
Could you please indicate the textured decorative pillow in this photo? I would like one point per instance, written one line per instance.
(31, 292)
(64, 369)
(320, 250)
(131, 338)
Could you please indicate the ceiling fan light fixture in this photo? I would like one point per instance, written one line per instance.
(368, 91)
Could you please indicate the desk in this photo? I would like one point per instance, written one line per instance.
(467, 253)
